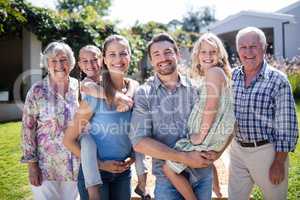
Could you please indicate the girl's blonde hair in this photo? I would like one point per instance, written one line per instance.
(87, 48)
(91, 48)
(223, 62)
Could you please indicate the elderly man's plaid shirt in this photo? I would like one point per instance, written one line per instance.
(265, 110)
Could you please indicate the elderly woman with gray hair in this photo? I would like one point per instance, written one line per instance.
(50, 104)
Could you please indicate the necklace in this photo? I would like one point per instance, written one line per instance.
(125, 87)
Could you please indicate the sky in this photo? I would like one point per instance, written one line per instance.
(129, 11)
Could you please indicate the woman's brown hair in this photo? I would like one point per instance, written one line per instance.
(106, 78)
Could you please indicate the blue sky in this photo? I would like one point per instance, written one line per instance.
(129, 11)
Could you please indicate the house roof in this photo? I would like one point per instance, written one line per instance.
(289, 7)
(277, 16)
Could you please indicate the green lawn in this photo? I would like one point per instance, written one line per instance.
(294, 171)
(294, 176)
(13, 174)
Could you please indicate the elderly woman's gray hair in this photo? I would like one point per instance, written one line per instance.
(53, 49)
(255, 30)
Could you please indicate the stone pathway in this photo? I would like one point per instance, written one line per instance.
(222, 166)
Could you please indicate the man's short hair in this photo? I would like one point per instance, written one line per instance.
(250, 29)
(161, 37)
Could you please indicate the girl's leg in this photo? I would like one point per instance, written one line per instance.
(141, 171)
(93, 192)
(141, 188)
(89, 164)
(216, 184)
(180, 183)
(142, 180)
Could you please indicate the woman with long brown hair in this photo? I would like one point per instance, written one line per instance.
(108, 127)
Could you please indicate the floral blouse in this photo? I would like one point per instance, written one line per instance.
(45, 117)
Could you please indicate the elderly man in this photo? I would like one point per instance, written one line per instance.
(267, 123)
(162, 108)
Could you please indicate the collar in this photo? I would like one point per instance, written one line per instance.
(73, 85)
(263, 73)
(181, 81)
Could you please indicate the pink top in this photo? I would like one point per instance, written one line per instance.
(45, 117)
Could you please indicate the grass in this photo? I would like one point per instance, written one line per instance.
(14, 180)
(13, 174)
(294, 171)
(294, 176)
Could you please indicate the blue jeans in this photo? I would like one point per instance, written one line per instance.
(164, 190)
(115, 186)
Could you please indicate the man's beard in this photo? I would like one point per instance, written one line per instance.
(168, 70)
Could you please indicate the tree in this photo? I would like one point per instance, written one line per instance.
(174, 25)
(77, 6)
(9, 16)
(195, 21)
(148, 30)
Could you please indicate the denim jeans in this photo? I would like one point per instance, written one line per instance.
(164, 190)
(115, 186)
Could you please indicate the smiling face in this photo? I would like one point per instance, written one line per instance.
(164, 59)
(117, 57)
(208, 55)
(90, 63)
(59, 67)
(251, 51)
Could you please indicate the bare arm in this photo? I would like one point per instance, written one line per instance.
(92, 89)
(73, 131)
(75, 127)
(214, 82)
(276, 172)
(124, 102)
(159, 150)
(29, 139)
(229, 139)
(216, 155)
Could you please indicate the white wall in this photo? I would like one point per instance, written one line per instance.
(31, 56)
(9, 112)
(31, 50)
(292, 31)
(260, 22)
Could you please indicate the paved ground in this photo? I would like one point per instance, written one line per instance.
(221, 164)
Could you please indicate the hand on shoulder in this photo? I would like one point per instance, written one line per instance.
(124, 102)
(92, 89)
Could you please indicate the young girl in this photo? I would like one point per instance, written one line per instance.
(211, 121)
(90, 145)
(90, 63)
